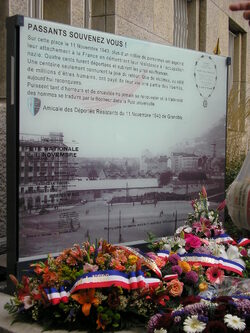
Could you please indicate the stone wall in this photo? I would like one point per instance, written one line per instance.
(144, 19)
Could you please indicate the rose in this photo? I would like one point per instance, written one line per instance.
(175, 287)
(192, 241)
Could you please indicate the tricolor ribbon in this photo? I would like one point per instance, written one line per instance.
(224, 238)
(209, 260)
(56, 296)
(170, 277)
(243, 242)
(103, 279)
(163, 254)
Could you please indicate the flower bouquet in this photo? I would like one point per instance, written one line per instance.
(93, 287)
(195, 281)
(209, 266)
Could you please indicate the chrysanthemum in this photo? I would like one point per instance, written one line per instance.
(215, 275)
(192, 277)
(174, 258)
(234, 322)
(193, 325)
(176, 269)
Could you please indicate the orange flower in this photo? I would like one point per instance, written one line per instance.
(86, 298)
(99, 322)
(185, 266)
(196, 266)
(203, 286)
(175, 287)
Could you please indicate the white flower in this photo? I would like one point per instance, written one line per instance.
(162, 330)
(233, 254)
(234, 322)
(28, 302)
(188, 230)
(193, 325)
(179, 230)
(166, 247)
(216, 249)
(181, 251)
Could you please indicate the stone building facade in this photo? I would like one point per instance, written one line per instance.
(194, 24)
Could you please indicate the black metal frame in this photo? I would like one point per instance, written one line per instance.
(12, 25)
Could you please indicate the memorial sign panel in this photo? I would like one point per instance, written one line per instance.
(115, 136)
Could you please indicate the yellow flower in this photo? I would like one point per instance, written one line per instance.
(185, 266)
(203, 286)
(132, 259)
(196, 266)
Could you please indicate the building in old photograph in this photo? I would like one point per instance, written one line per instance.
(46, 166)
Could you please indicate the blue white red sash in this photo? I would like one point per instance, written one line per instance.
(163, 254)
(244, 242)
(103, 279)
(209, 260)
(56, 296)
(224, 238)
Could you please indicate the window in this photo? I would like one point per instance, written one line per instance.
(102, 15)
(180, 23)
(56, 10)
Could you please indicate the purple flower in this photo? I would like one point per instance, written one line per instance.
(176, 269)
(192, 277)
(153, 321)
(173, 259)
(243, 305)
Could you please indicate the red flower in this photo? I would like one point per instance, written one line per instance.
(215, 275)
(222, 205)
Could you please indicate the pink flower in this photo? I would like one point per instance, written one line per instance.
(192, 241)
(222, 205)
(204, 192)
(244, 253)
(28, 302)
(203, 226)
(215, 275)
(90, 268)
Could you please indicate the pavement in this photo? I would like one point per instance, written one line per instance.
(6, 325)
